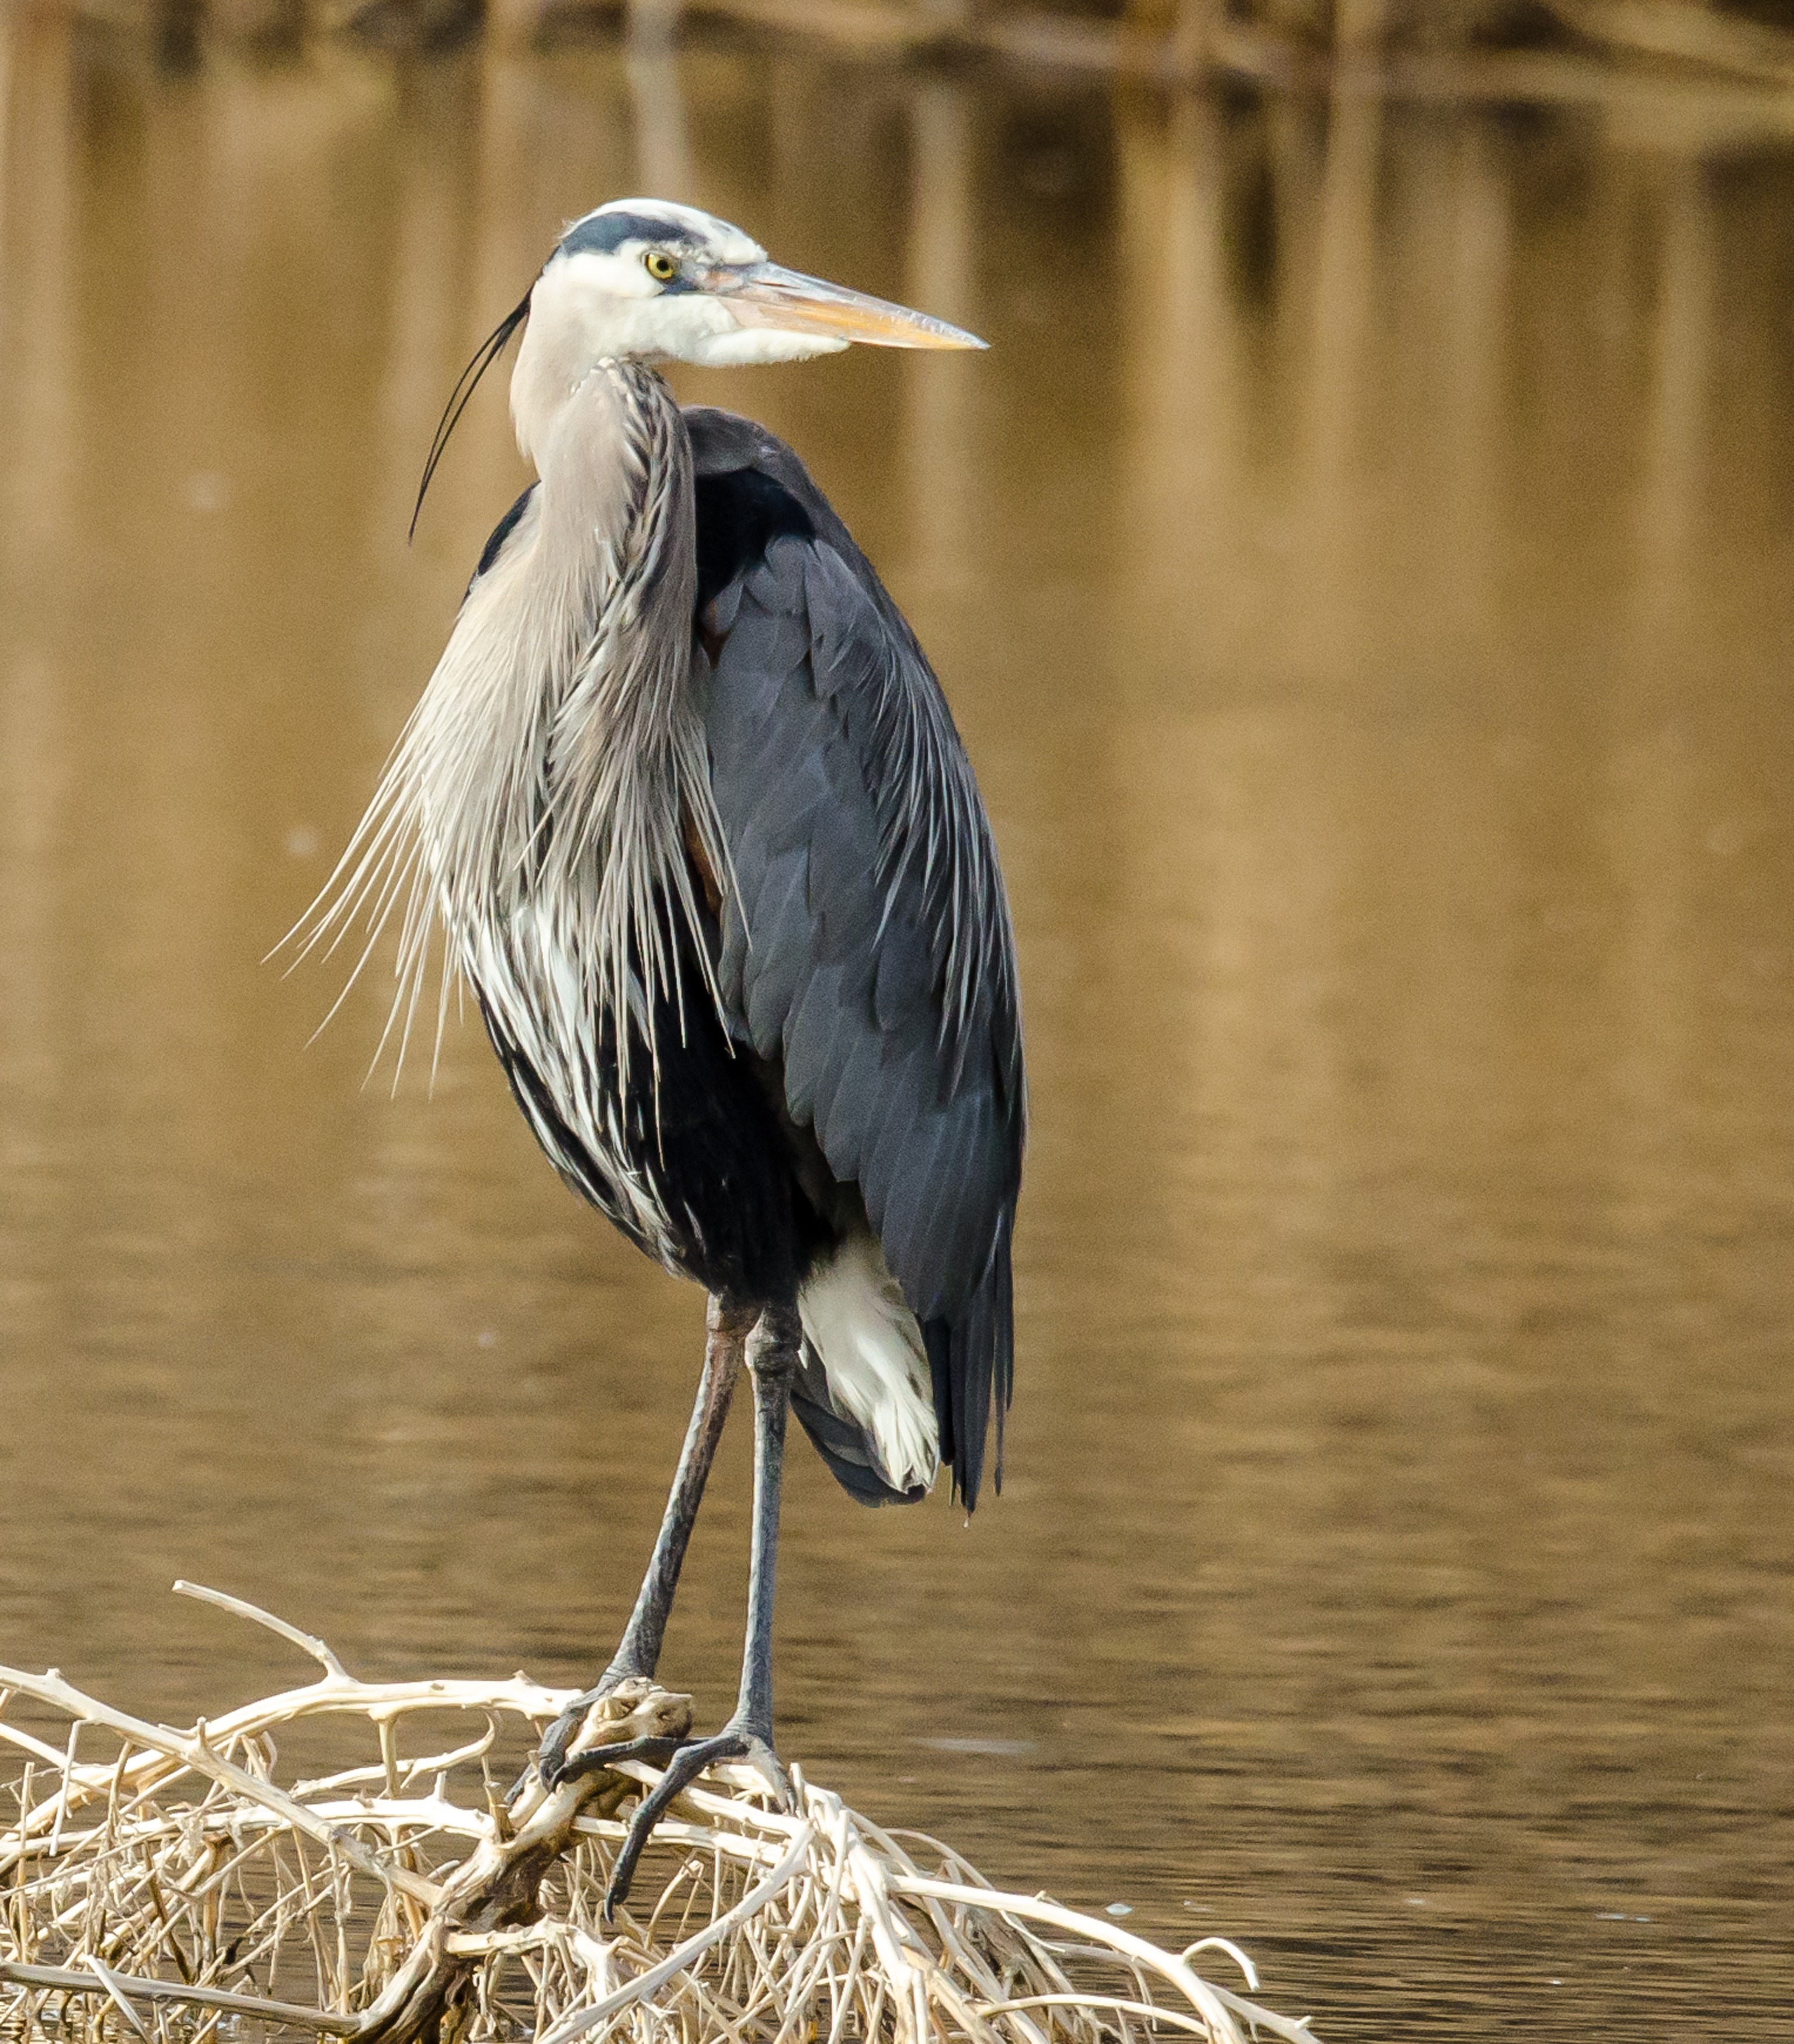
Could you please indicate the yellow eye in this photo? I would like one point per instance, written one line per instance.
(661, 266)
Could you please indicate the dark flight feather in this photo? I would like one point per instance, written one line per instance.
(866, 948)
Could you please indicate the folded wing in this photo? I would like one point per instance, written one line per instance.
(866, 949)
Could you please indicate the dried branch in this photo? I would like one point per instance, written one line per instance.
(173, 1883)
(307, 1642)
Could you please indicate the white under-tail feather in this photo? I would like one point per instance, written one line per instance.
(855, 1319)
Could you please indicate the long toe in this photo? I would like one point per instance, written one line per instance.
(730, 1743)
(632, 1717)
(551, 1755)
(599, 1759)
(758, 1754)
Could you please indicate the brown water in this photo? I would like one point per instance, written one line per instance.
(1363, 568)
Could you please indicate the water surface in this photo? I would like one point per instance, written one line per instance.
(1362, 568)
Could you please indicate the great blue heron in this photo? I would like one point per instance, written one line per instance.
(686, 801)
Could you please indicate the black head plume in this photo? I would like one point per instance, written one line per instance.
(488, 352)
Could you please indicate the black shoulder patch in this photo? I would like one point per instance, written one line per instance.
(500, 532)
(740, 513)
(604, 233)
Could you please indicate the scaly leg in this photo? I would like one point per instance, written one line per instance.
(774, 1349)
(638, 1652)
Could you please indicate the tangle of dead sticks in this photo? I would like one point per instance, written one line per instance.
(175, 1885)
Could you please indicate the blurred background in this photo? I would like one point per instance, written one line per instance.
(1361, 571)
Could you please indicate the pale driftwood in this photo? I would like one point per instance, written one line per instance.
(173, 1884)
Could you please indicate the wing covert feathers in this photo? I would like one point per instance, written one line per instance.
(866, 941)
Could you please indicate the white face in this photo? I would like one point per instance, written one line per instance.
(618, 308)
(647, 280)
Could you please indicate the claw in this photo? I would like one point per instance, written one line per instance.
(772, 1770)
(583, 1740)
(600, 1759)
(732, 1743)
(551, 1755)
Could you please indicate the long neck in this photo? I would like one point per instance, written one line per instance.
(615, 465)
(566, 678)
(625, 761)
(550, 772)
(613, 572)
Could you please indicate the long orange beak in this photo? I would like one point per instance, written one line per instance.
(764, 294)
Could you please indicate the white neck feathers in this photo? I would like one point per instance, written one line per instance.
(538, 801)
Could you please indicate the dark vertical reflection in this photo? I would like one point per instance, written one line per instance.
(1347, 259)
(663, 149)
(1361, 570)
(1674, 438)
(1473, 254)
(941, 443)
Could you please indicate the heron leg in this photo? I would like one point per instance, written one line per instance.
(638, 1652)
(773, 1351)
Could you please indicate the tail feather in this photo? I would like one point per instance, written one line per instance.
(972, 1362)
(842, 1443)
(863, 1394)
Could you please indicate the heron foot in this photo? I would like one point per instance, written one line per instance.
(574, 1745)
(737, 1740)
(551, 1755)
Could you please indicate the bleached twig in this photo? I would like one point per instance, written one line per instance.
(174, 1879)
(307, 1642)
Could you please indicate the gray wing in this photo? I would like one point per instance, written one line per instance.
(866, 947)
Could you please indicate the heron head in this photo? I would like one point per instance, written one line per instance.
(643, 280)
(647, 279)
